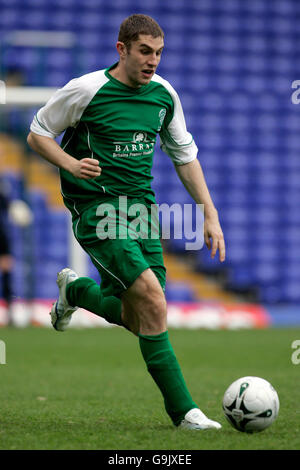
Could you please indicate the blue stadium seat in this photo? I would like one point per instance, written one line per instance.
(241, 277)
(14, 185)
(56, 57)
(9, 19)
(62, 20)
(179, 292)
(57, 78)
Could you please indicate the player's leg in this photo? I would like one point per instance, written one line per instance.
(75, 292)
(145, 299)
(86, 293)
(119, 262)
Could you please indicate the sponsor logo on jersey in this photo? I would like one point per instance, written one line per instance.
(139, 146)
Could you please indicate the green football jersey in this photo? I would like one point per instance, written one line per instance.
(118, 125)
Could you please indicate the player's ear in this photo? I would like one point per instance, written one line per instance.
(121, 48)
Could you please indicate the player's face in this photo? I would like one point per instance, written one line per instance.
(142, 59)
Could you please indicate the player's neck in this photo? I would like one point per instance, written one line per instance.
(120, 74)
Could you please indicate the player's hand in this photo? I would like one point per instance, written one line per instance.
(213, 236)
(87, 168)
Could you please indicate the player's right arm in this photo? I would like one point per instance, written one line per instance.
(64, 110)
(49, 149)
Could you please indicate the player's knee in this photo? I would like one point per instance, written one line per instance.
(146, 299)
(153, 316)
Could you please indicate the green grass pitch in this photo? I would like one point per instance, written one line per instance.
(89, 389)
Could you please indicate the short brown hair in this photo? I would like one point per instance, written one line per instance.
(137, 24)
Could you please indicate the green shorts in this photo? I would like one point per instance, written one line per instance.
(120, 253)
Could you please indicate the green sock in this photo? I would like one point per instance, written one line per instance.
(86, 293)
(164, 369)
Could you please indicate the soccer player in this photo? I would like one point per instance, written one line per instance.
(111, 119)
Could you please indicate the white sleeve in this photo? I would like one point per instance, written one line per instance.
(175, 140)
(66, 106)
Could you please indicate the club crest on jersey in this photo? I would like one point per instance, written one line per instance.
(139, 136)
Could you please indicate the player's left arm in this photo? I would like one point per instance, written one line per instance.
(193, 179)
(179, 144)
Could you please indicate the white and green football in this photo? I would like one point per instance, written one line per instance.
(251, 404)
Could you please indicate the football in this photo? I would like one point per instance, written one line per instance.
(251, 404)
